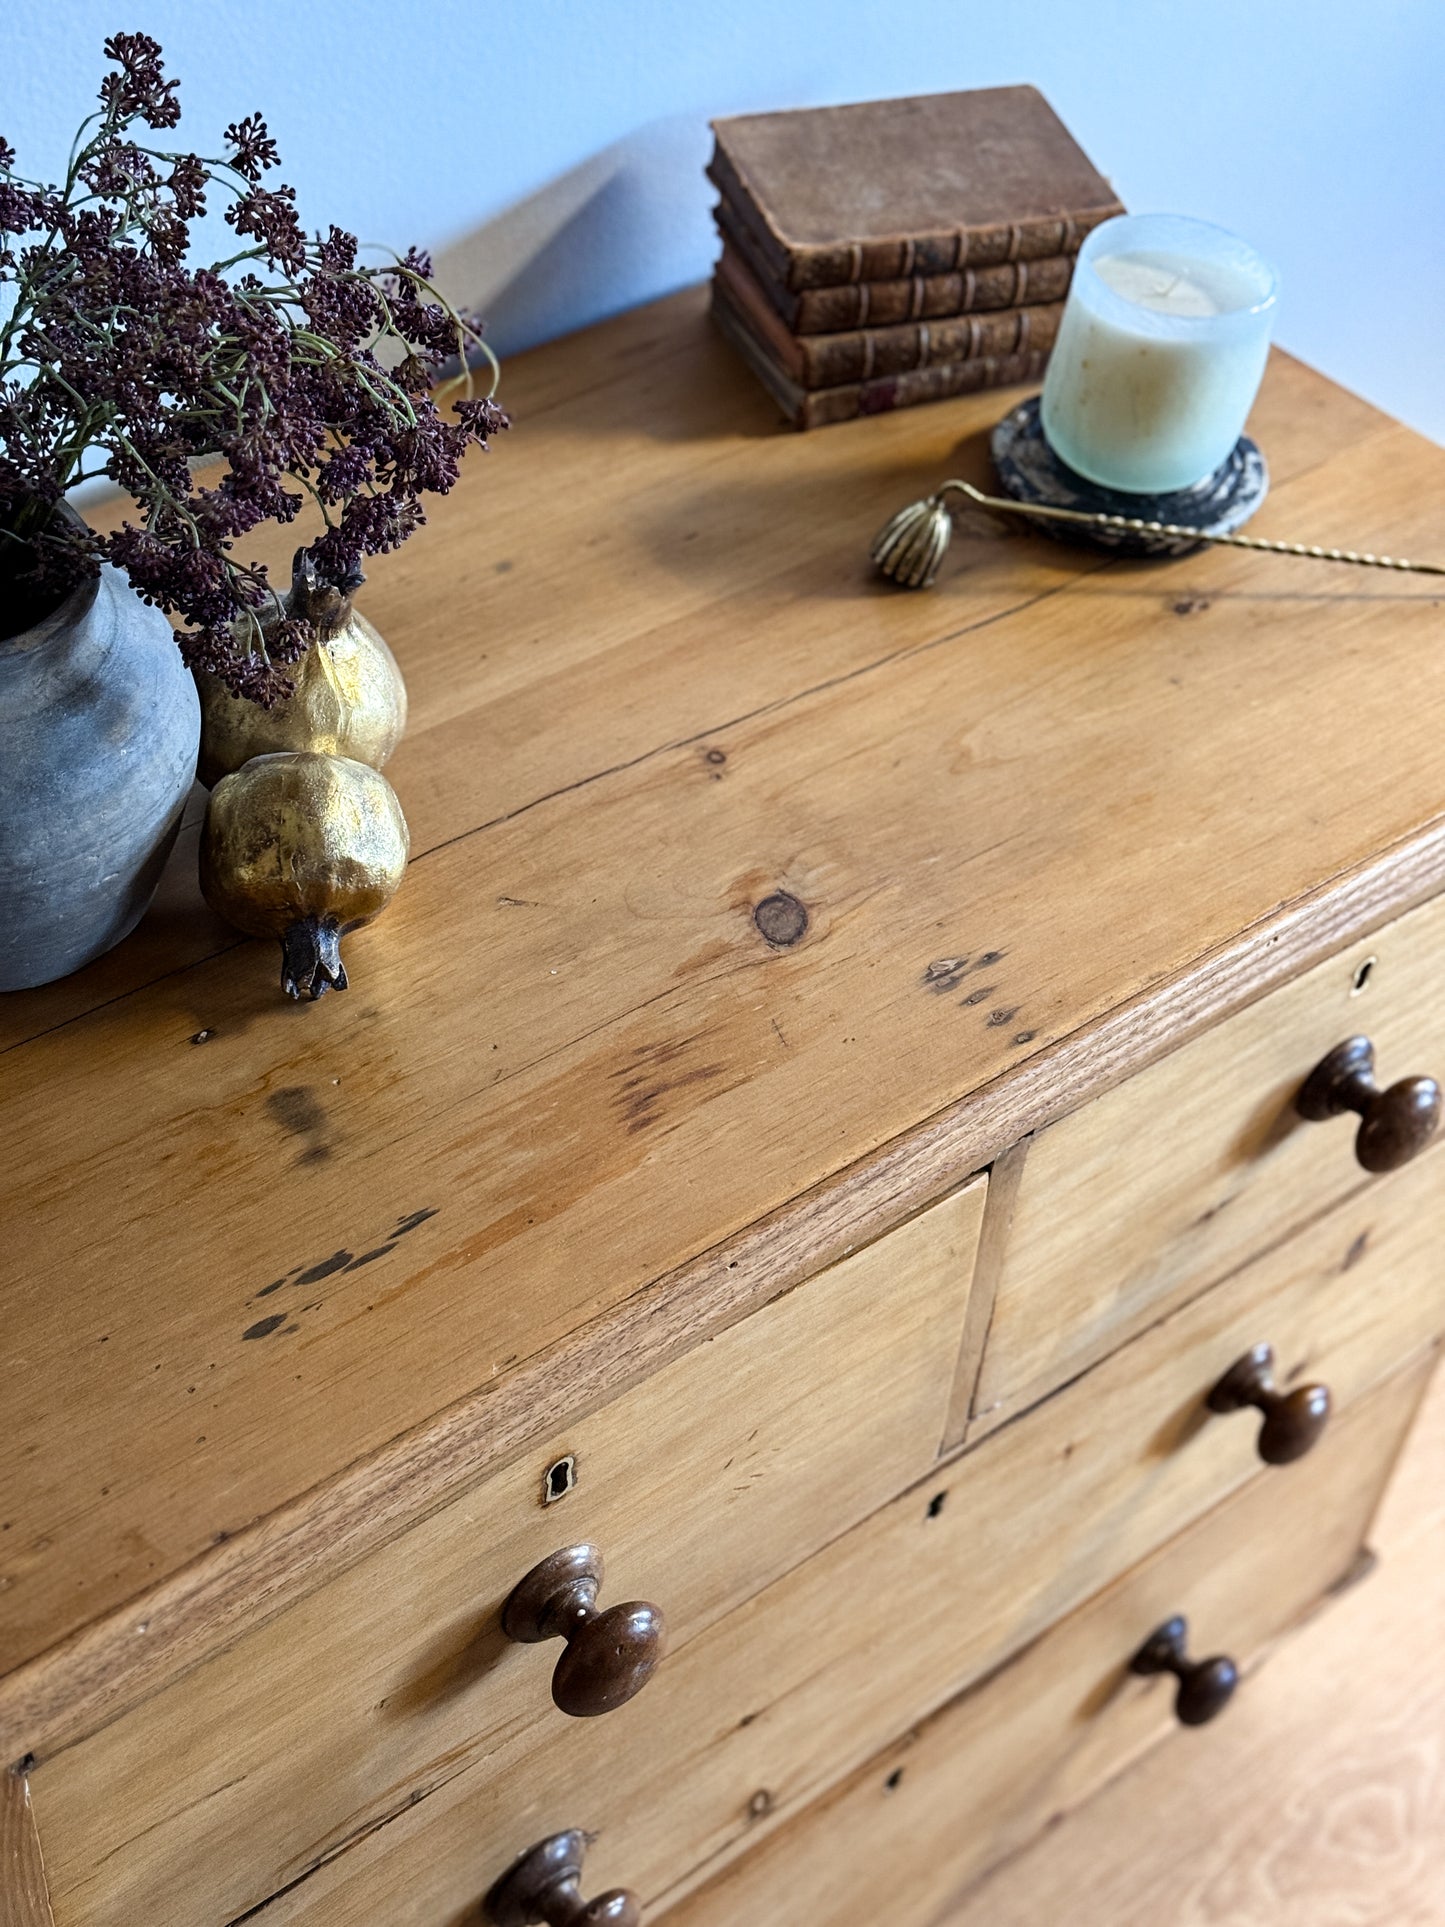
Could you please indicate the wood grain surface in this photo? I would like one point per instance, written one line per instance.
(992, 1770)
(271, 1295)
(1318, 1802)
(1177, 1176)
(771, 1705)
(722, 1472)
(24, 1899)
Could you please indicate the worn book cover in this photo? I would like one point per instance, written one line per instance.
(825, 361)
(880, 304)
(817, 407)
(889, 189)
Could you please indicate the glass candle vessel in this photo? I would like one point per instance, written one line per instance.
(1160, 352)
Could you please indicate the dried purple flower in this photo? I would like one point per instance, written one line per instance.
(303, 372)
(140, 90)
(255, 150)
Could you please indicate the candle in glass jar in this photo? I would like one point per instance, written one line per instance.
(1160, 352)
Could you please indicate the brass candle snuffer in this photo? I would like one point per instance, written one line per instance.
(909, 548)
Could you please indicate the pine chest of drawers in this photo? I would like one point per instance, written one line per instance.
(829, 1143)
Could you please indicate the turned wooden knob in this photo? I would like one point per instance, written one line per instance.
(544, 1884)
(610, 1655)
(1396, 1124)
(1292, 1420)
(1206, 1686)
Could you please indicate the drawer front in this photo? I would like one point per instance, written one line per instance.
(900, 1838)
(1130, 1205)
(759, 1714)
(699, 1486)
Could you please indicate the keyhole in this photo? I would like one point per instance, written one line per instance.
(559, 1480)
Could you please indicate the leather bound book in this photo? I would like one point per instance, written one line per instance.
(825, 361)
(817, 407)
(889, 189)
(920, 297)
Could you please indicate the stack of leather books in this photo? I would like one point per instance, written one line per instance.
(898, 251)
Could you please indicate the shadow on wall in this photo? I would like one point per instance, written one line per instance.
(628, 224)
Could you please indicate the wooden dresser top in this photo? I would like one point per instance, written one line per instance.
(576, 1107)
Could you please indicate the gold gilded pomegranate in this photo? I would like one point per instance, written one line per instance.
(349, 698)
(304, 848)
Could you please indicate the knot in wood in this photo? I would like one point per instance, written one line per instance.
(781, 918)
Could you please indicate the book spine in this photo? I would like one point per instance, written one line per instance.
(882, 304)
(831, 359)
(812, 266)
(1014, 243)
(824, 406)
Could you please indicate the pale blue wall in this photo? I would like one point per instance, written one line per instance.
(552, 152)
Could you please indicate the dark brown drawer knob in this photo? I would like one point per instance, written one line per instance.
(1292, 1420)
(1206, 1686)
(1396, 1124)
(545, 1884)
(610, 1655)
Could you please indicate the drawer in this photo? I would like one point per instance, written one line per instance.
(700, 1485)
(899, 1839)
(761, 1712)
(1170, 1181)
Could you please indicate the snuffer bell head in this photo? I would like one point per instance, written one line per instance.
(909, 548)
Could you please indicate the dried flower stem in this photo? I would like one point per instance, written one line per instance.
(118, 357)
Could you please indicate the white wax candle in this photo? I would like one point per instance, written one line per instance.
(1159, 354)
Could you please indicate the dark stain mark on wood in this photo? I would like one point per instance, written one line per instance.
(781, 918)
(290, 1278)
(264, 1327)
(1190, 605)
(1356, 1251)
(943, 974)
(342, 1260)
(979, 996)
(1213, 1210)
(947, 973)
(998, 1018)
(369, 1257)
(298, 1110)
(894, 1780)
(760, 1804)
(338, 1261)
(640, 1097)
(504, 567)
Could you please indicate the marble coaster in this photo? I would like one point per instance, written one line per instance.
(1030, 471)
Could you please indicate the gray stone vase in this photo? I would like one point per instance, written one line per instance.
(99, 728)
